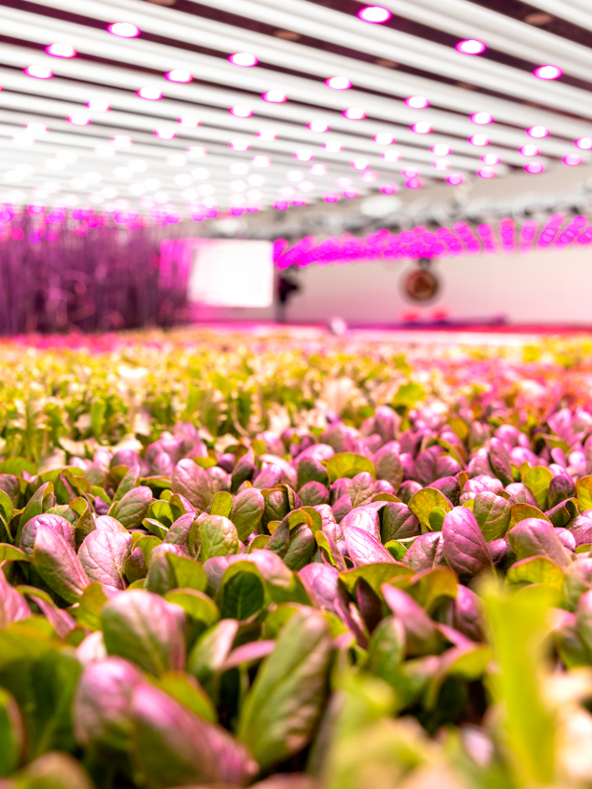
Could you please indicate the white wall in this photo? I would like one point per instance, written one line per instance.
(542, 287)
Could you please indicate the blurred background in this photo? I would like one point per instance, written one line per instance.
(417, 164)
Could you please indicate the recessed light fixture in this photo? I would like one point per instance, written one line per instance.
(470, 46)
(338, 83)
(538, 132)
(548, 72)
(375, 14)
(422, 127)
(318, 126)
(124, 30)
(241, 111)
(149, 92)
(245, 59)
(179, 75)
(61, 50)
(274, 96)
(354, 114)
(417, 102)
(39, 71)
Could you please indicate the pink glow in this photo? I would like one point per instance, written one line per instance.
(529, 150)
(338, 83)
(244, 59)
(241, 111)
(333, 146)
(36, 128)
(417, 102)
(267, 134)
(369, 177)
(318, 126)
(440, 149)
(573, 160)
(124, 30)
(61, 50)
(481, 118)
(470, 46)
(260, 161)
(410, 172)
(281, 205)
(422, 127)
(375, 14)
(196, 152)
(121, 141)
(384, 138)
(490, 159)
(390, 156)
(150, 93)
(165, 134)
(360, 164)
(331, 197)
(441, 164)
(179, 75)
(274, 96)
(189, 122)
(299, 200)
(534, 168)
(79, 118)
(343, 182)
(389, 189)
(351, 192)
(479, 140)
(318, 169)
(548, 72)
(455, 179)
(486, 172)
(538, 132)
(414, 183)
(239, 145)
(39, 71)
(303, 155)
(583, 143)
(354, 114)
(98, 105)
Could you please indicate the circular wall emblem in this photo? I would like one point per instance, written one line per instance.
(421, 285)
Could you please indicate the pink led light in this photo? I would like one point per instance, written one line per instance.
(303, 155)
(455, 179)
(150, 93)
(36, 128)
(267, 134)
(121, 141)
(165, 134)
(39, 71)
(331, 197)
(196, 152)
(441, 164)
(189, 122)
(481, 118)
(470, 46)
(360, 164)
(534, 168)
(375, 14)
(479, 140)
(440, 149)
(538, 132)
(344, 182)
(354, 114)
(260, 161)
(490, 159)
(391, 156)
(417, 102)
(583, 143)
(548, 72)
(529, 150)
(350, 192)
(383, 138)
(299, 200)
(318, 126)
(486, 172)
(338, 83)
(281, 205)
(333, 146)
(422, 127)
(124, 30)
(274, 96)
(98, 105)
(61, 50)
(369, 177)
(389, 189)
(410, 172)
(572, 160)
(179, 75)
(79, 118)
(318, 169)
(241, 111)
(244, 59)
(414, 183)
(239, 145)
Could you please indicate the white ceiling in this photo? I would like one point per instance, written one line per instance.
(412, 54)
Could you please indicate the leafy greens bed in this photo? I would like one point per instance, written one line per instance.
(265, 562)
